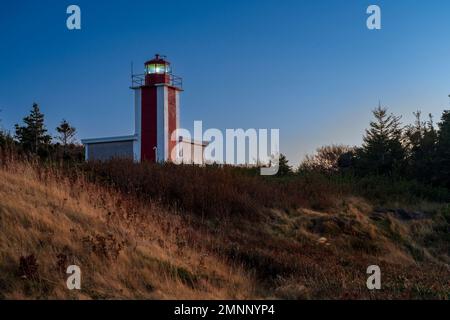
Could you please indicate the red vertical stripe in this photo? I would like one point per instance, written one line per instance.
(148, 123)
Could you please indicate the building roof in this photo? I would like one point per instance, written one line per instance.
(158, 59)
(109, 139)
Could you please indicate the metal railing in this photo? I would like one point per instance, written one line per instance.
(138, 80)
(176, 81)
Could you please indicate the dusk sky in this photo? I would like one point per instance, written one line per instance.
(310, 68)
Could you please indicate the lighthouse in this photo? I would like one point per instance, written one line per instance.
(157, 111)
(157, 117)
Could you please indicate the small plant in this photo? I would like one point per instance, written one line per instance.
(28, 267)
(104, 246)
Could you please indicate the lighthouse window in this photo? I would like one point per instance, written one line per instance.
(151, 68)
(157, 68)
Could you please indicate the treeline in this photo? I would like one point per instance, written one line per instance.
(419, 151)
(31, 138)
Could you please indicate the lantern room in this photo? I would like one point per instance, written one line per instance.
(157, 70)
(157, 65)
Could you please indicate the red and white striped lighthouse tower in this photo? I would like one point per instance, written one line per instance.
(156, 110)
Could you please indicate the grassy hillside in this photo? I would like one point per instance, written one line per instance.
(125, 250)
(157, 232)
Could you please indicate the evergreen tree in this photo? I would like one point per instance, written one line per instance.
(421, 140)
(2, 138)
(284, 168)
(382, 151)
(6, 140)
(443, 149)
(2, 134)
(33, 135)
(66, 134)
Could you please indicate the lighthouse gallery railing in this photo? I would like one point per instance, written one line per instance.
(138, 80)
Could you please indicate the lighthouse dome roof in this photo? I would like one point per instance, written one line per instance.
(158, 59)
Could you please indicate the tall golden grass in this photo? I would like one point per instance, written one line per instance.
(125, 249)
(145, 231)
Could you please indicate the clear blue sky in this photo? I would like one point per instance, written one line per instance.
(310, 68)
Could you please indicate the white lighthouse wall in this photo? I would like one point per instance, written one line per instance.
(137, 124)
(177, 102)
(162, 141)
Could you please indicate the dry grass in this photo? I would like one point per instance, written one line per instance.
(145, 231)
(125, 249)
(212, 192)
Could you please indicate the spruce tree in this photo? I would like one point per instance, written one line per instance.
(33, 136)
(284, 168)
(443, 149)
(66, 134)
(2, 134)
(2, 138)
(382, 151)
(421, 139)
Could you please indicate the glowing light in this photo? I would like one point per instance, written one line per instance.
(157, 68)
